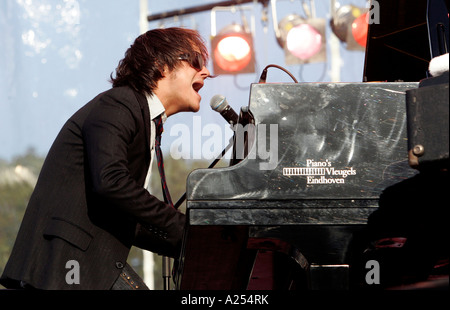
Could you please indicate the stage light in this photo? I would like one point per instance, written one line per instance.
(359, 29)
(232, 51)
(303, 40)
(350, 26)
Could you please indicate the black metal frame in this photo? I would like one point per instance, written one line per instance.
(201, 8)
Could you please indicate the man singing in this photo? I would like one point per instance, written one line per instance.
(90, 204)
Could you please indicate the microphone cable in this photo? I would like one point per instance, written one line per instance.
(216, 160)
(263, 76)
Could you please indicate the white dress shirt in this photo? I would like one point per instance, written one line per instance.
(156, 109)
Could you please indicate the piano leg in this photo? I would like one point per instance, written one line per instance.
(215, 258)
(226, 257)
(277, 266)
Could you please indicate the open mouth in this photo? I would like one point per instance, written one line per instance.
(197, 86)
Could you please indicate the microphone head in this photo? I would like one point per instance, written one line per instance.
(218, 103)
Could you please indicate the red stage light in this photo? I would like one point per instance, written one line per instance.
(350, 26)
(233, 51)
(360, 28)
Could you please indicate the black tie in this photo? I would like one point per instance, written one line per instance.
(159, 130)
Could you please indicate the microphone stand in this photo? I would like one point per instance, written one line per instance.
(166, 259)
(166, 272)
(216, 160)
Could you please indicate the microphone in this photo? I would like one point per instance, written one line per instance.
(219, 104)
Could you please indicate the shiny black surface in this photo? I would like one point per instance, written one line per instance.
(353, 128)
(280, 198)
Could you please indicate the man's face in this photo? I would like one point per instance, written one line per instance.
(178, 90)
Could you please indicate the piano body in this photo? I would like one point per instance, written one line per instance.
(310, 163)
(321, 155)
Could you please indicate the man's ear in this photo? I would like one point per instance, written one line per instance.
(163, 69)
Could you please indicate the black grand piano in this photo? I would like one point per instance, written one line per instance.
(310, 163)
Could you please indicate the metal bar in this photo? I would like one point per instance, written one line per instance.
(201, 8)
(228, 9)
(143, 9)
(166, 272)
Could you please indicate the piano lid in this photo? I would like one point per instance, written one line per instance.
(398, 47)
(316, 141)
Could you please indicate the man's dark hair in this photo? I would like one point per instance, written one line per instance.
(145, 60)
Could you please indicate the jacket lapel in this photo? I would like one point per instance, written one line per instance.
(146, 117)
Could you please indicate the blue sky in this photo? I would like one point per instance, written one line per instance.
(56, 55)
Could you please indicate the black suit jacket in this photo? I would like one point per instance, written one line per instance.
(89, 204)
